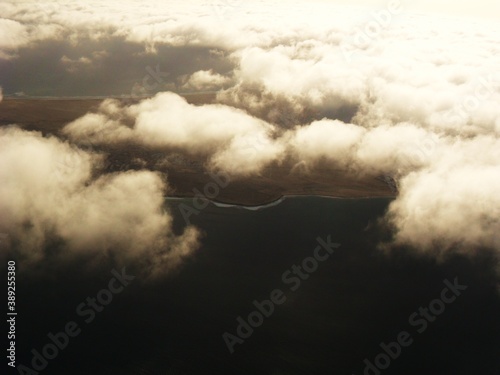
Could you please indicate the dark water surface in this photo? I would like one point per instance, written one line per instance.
(340, 314)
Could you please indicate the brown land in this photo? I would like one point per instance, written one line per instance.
(186, 173)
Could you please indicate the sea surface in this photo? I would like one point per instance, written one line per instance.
(334, 322)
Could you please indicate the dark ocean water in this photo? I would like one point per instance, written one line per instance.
(356, 299)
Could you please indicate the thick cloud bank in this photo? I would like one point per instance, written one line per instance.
(454, 201)
(52, 206)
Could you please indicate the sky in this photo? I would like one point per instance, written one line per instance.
(405, 89)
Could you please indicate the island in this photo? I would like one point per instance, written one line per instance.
(187, 174)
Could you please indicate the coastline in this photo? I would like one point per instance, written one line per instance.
(262, 204)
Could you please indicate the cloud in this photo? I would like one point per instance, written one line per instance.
(229, 26)
(394, 78)
(205, 80)
(52, 206)
(238, 142)
(447, 185)
(453, 202)
(76, 64)
(12, 33)
(248, 154)
(330, 140)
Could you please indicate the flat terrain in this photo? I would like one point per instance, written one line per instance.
(50, 115)
(187, 173)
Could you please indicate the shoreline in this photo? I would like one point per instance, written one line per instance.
(274, 201)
